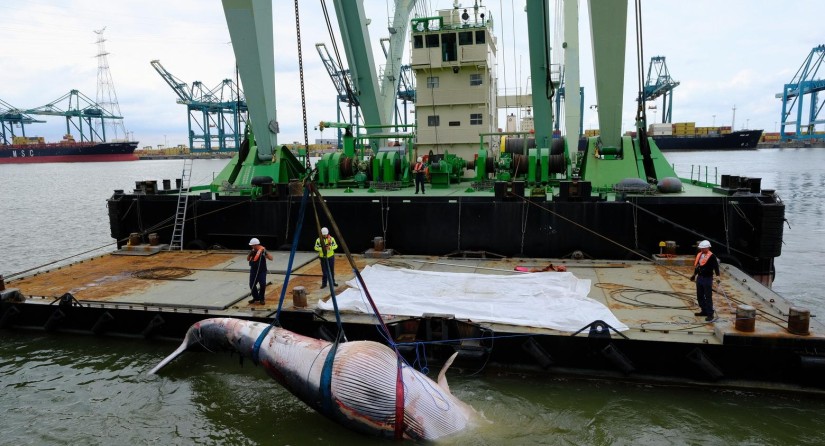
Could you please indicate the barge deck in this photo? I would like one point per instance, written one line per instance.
(158, 294)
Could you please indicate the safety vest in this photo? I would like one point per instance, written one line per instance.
(329, 242)
(418, 168)
(256, 256)
(702, 258)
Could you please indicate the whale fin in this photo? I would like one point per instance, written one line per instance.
(192, 337)
(170, 358)
(442, 375)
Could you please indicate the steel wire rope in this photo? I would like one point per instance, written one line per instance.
(726, 224)
(525, 209)
(685, 228)
(585, 228)
(742, 214)
(350, 94)
(385, 214)
(458, 228)
(504, 61)
(431, 86)
(635, 228)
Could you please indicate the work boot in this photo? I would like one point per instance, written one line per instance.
(709, 317)
(701, 313)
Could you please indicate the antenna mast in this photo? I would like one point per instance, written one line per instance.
(106, 96)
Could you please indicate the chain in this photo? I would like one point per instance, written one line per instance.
(301, 75)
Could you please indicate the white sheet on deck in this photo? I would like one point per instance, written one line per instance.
(547, 299)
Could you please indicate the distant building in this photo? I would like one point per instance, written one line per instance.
(327, 141)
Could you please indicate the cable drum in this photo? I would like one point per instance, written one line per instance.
(519, 146)
(519, 164)
(347, 166)
(557, 164)
(557, 147)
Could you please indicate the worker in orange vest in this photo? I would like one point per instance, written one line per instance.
(419, 168)
(257, 258)
(705, 265)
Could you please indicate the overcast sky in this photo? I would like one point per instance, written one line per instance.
(725, 53)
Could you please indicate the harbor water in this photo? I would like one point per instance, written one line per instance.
(60, 389)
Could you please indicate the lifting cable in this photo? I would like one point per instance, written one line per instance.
(327, 371)
(350, 93)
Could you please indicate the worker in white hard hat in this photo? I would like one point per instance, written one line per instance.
(257, 258)
(326, 246)
(419, 170)
(705, 265)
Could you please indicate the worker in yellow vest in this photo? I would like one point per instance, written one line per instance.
(327, 254)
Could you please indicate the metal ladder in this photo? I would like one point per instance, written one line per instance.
(183, 200)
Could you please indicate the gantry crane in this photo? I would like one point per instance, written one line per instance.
(81, 113)
(406, 84)
(804, 82)
(659, 83)
(222, 108)
(342, 80)
(11, 117)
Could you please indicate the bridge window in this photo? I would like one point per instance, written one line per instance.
(418, 42)
(475, 119)
(480, 37)
(449, 52)
(465, 38)
(432, 82)
(434, 121)
(475, 79)
(432, 41)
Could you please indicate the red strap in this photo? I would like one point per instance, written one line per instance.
(399, 403)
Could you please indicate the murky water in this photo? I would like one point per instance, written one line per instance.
(64, 389)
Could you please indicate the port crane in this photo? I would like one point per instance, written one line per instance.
(342, 80)
(11, 117)
(81, 113)
(405, 86)
(659, 83)
(805, 82)
(221, 108)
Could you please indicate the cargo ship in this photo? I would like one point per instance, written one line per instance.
(36, 150)
(674, 137)
(738, 140)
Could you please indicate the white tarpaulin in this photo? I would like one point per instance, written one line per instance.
(548, 299)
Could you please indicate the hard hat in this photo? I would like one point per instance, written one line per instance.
(324, 231)
(254, 241)
(420, 159)
(704, 244)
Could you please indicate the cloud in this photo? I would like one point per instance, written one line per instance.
(736, 52)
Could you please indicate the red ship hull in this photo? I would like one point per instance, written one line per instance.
(68, 152)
